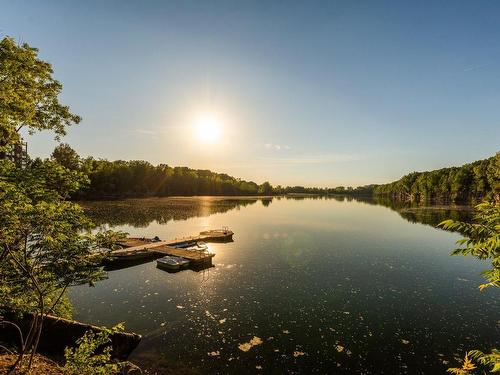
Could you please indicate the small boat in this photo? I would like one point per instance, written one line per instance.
(183, 262)
(198, 246)
(185, 244)
(168, 263)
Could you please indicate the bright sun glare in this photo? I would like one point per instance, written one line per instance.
(208, 128)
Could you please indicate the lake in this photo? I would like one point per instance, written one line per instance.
(308, 286)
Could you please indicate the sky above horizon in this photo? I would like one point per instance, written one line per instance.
(304, 93)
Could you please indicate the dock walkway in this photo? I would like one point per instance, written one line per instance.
(143, 248)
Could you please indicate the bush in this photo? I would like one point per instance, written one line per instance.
(92, 356)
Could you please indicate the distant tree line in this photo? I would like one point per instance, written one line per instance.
(366, 190)
(137, 178)
(474, 181)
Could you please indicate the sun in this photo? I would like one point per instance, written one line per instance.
(208, 128)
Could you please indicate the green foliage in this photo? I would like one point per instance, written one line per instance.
(92, 356)
(28, 95)
(265, 189)
(491, 360)
(108, 239)
(63, 308)
(366, 190)
(66, 156)
(42, 180)
(482, 239)
(46, 241)
(46, 244)
(111, 179)
(478, 180)
(137, 178)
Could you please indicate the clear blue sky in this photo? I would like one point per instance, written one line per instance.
(312, 93)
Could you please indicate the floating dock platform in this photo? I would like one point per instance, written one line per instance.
(136, 249)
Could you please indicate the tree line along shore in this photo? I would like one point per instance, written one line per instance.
(137, 179)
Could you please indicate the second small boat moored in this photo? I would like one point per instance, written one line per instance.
(183, 262)
(168, 263)
(172, 263)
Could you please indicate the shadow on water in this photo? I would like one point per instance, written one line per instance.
(192, 267)
(122, 264)
(141, 212)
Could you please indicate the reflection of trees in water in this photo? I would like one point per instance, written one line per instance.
(302, 197)
(424, 212)
(141, 212)
(266, 201)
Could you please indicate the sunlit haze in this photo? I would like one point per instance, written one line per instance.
(208, 128)
(311, 93)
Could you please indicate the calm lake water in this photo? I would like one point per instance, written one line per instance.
(307, 286)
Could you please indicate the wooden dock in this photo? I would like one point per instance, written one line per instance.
(214, 235)
(145, 248)
(159, 249)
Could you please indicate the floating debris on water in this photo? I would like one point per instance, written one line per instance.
(214, 353)
(298, 354)
(339, 348)
(406, 342)
(245, 347)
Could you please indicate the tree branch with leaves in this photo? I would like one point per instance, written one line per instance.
(482, 241)
(28, 95)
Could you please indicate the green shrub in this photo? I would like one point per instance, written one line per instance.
(92, 356)
(482, 241)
